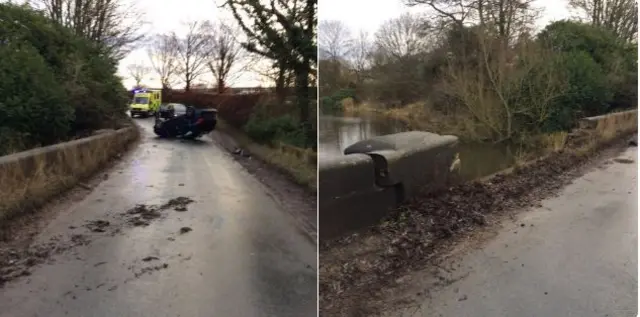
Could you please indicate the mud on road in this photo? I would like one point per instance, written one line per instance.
(355, 270)
(18, 256)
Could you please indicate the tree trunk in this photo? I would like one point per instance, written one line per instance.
(280, 82)
(221, 85)
(302, 100)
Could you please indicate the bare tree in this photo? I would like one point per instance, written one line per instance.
(163, 54)
(360, 57)
(506, 18)
(113, 24)
(334, 39)
(137, 71)
(402, 37)
(227, 58)
(498, 94)
(192, 52)
(618, 16)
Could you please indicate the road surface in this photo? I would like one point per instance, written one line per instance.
(242, 257)
(574, 256)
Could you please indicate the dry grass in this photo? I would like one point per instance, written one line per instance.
(31, 178)
(555, 142)
(298, 163)
(422, 116)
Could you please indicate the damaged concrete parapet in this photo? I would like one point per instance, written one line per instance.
(349, 198)
(376, 175)
(412, 160)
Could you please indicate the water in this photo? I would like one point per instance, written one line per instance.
(337, 133)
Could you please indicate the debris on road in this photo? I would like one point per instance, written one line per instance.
(184, 230)
(241, 152)
(633, 141)
(151, 269)
(142, 215)
(150, 258)
(17, 260)
(97, 225)
(623, 160)
(178, 202)
(85, 186)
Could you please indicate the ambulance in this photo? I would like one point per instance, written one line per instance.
(145, 103)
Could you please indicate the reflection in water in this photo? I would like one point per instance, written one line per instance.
(337, 133)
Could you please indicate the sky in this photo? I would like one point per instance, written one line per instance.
(374, 15)
(169, 15)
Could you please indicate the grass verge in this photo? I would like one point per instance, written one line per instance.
(298, 164)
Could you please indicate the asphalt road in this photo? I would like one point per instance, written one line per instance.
(243, 257)
(574, 256)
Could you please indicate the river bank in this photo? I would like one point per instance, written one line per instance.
(356, 269)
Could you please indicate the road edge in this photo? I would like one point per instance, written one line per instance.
(308, 228)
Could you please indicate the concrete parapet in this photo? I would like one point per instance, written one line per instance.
(619, 118)
(29, 179)
(377, 174)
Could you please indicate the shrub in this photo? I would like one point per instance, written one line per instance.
(60, 85)
(270, 130)
(333, 103)
(33, 109)
(595, 59)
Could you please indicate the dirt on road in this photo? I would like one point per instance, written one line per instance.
(18, 253)
(355, 270)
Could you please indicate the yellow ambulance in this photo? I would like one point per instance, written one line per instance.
(146, 102)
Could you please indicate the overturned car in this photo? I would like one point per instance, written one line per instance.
(192, 125)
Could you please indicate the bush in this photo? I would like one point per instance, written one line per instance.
(33, 109)
(53, 83)
(594, 59)
(270, 130)
(589, 92)
(333, 103)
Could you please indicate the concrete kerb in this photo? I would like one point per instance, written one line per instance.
(380, 173)
(31, 178)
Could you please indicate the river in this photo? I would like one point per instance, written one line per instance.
(338, 132)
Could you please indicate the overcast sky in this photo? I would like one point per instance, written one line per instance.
(168, 15)
(367, 16)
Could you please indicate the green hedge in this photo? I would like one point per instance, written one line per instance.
(333, 103)
(53, 84)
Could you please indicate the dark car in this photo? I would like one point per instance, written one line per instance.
(171, 110)
(193, 124)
